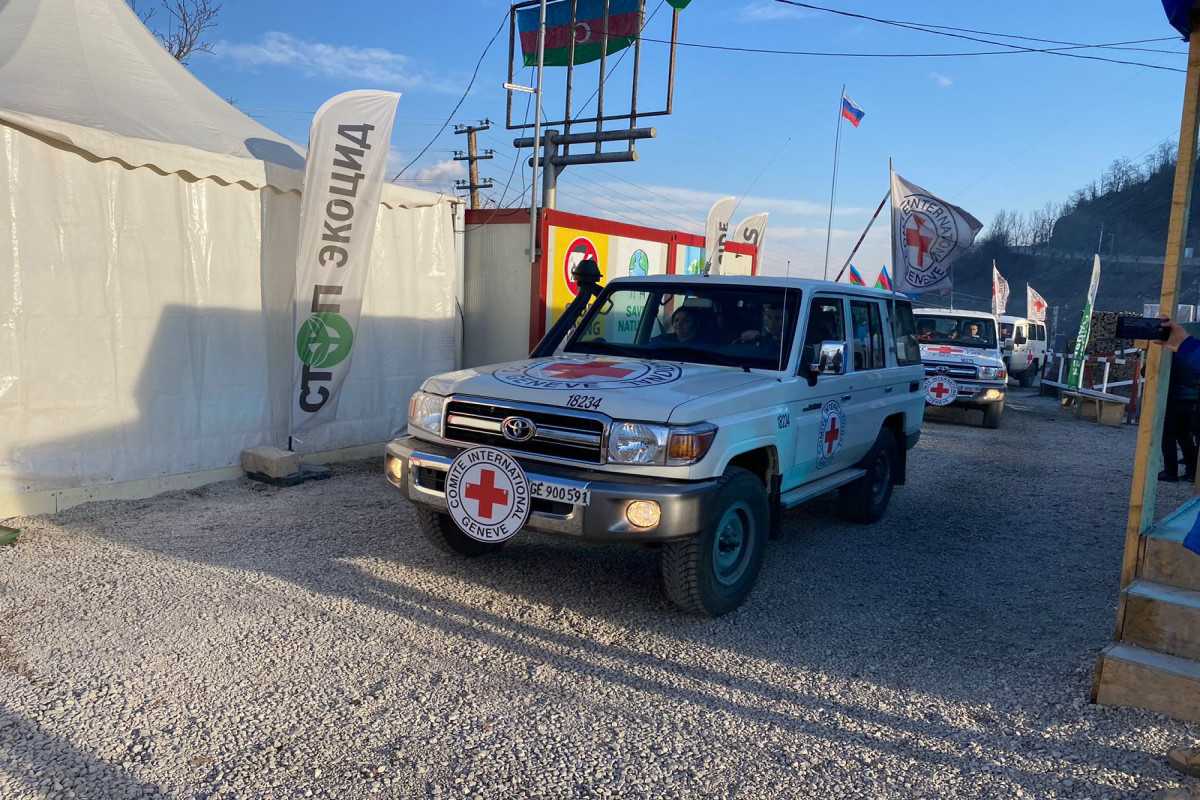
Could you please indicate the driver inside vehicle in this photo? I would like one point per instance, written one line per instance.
(972, 332)
(685, 329)
(925, 330)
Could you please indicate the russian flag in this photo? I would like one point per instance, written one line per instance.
(851, 111)
(856, 277)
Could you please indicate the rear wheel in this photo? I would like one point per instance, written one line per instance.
(712, 574)
(1026, 377)
(992, 413)
(443, 534)
(866, 499)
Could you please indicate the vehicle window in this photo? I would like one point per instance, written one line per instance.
(826, 323)
(868, 335)
(618, 324)
(1041, 332)
(1006, 330)
(962, 331)
(721, 324)
(904, 331)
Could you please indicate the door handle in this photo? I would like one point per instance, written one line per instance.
(888, 390)
(846, 396)
(914, 386)
(812, 407)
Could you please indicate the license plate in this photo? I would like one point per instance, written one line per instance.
(560, 494)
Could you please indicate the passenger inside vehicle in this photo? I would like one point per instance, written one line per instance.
(685, 329)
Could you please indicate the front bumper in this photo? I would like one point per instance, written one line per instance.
(685, 506)
(975, 394)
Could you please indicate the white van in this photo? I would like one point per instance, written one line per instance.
(1024, 346)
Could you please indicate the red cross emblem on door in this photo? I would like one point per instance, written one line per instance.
(486, 494)
(832, 434)
(915, 235)
(588, 369)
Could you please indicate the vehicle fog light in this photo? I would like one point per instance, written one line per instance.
(643, 513)
(395, 469)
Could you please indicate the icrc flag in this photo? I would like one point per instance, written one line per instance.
(1000, 292)
(1035, 305)
(928, 236)
(348, 147)
(716, 231)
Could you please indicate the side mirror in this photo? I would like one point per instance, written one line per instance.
(1020, 339)
(831, 360)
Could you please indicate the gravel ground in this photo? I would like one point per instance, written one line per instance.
(246, 641)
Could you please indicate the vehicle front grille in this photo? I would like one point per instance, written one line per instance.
(559, 435)
(961, 371)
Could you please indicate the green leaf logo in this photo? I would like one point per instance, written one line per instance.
(324, 340)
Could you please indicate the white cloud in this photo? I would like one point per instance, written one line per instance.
(941, 80)
(769, 11)
(364, 66)
(441, 174)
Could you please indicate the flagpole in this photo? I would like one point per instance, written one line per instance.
(837, 143)
(537, 134)
(858, 244)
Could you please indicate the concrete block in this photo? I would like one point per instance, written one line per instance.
(270, 462)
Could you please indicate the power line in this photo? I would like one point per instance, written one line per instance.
(926, 29)
(841, 54)
(458, 105)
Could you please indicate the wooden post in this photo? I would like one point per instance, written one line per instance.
(1144, 487)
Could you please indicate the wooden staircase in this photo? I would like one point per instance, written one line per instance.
(1155, 662)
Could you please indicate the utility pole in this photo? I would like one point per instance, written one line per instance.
(473, 157)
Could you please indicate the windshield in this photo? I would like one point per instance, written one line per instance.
(721, 324)
(962, 331)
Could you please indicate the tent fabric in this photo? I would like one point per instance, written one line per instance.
(147, 277)
(145, 320)
(93, 63)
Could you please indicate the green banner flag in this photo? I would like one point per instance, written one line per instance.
(1085, 329)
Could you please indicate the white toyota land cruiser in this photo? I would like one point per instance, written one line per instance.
(682, 412)
(962, 361)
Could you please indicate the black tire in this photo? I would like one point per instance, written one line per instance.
(866, 499)
(992, 414)
(1026, 377)
(443, 534)
(712, 574)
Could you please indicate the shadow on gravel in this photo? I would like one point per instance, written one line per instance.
(940, 603)
(46, 755)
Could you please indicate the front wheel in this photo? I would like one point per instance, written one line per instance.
(991, 415)
(444, 535)
(866, 499)
(712, 573)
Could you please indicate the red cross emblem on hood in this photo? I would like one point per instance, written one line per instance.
(588, 369)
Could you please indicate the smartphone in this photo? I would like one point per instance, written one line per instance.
(1148, 328)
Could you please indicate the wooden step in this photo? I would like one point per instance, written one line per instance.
(1163, 618)
(1139, 678)
(1164, 558)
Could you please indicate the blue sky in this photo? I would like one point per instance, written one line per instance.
(988, 132)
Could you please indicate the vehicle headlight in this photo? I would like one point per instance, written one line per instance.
(425, 412)
(642, 443)
(637, 443)
(993, 373)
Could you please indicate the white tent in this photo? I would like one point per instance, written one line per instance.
(147, 272)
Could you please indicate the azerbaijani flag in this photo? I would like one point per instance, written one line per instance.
(884, 281)
(624, 25)
(850, 111)
(856, 277)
